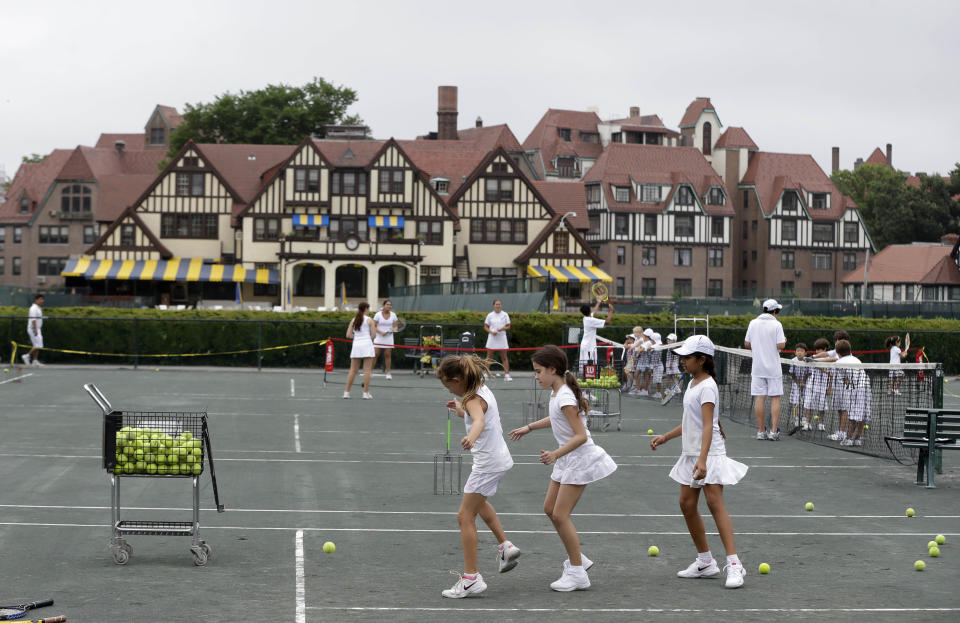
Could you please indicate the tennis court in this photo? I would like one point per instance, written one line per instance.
(298, 466)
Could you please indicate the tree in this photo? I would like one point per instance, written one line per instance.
(32, 158)
(274, 115)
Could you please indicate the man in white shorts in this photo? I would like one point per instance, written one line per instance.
(34, 324)
(766, 339)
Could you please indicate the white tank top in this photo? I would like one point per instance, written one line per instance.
(385, 323)
(363, 333)
(490, 452)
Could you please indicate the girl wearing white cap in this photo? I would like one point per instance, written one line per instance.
(673, 362)
(656, 365)
(703, 462)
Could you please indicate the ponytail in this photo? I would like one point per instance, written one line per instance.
(361, 314)
(552, 357)
(891, 341)
(583, 405)
(470, 368)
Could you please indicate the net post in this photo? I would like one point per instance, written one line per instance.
(136, 343)
(259, 345)
(938, 387)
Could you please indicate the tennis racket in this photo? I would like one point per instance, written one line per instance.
(10, 613)
(673, 391)
(796, 421)
(57, 619)
(600, 291)
(906, 343)
(401, 325)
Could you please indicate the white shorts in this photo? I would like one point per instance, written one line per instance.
(484, 484)
(766, 385)
(36, 340)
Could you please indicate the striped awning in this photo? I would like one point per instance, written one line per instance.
(311, 220)
(385, 221)
(176, 269)
(569, 273)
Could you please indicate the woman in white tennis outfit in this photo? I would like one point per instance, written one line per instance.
(577, 461)
(496, 325)
(386, 322)
(588, 343)
(703, 462)
(361, 330)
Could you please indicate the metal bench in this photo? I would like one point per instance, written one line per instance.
(931, 431)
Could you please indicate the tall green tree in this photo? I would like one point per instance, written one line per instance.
(34, 157)
(274, 115)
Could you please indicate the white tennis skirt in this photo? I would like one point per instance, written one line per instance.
(384, 341)
(586, 464)
(721, 470)
(498, 341)
(362, 348)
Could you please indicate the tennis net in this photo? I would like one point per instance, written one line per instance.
(852, 406)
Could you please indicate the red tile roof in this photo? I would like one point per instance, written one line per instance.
(694, 110)
(771, 173)
(488, 138)
(546, 137)
(32, 180)
(910, 263)
(452, 160)
(645, 123)
(348, 153)
(735, 138)
(566, 198)
(241, 172)
(134, 142)
(877, 157)
(118, 192)
(624, 164)
(171, 115)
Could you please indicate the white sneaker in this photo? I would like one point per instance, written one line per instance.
(643, 392)
(36, 364)
(774, 436)
(805, 425)
(821, 427)
(896, 392)
(571, 580)
(507, 378)
(838, 436)
(507, 556)
(389, 376)
(465, 587)
(346, 394)
(586, 562)
(657, 396)
(857, 441)
(735, 573)
(26, 358)
(699, 570)
(761, 434)
(367, 396)
(846, 442)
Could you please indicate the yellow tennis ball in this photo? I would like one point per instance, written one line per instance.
(6, 369)
(816, 417)
(809, 506)
(764, 568)
(653, 550)
(940, 539)
(934, 552)
(931, 544)
(649, 431)
(156, 369)
(911, 512)
(919, 565)
(329, 547)
(866, 427)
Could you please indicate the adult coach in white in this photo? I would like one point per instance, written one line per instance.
(496, 325)
(34, 324)
(588, 343)
(386, 322)
(766, 339)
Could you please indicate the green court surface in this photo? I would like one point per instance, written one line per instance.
(298, 465)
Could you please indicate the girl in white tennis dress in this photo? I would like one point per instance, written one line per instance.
(496, 325)
(361, 330)
(386, 322)
(576, 462)
(463, 376)
(703, 462)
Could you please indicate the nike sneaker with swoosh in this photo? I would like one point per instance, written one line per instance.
(465, 587)
(699, 570)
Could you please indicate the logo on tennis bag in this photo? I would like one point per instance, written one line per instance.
(328, 366)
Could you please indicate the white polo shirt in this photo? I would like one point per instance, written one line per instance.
(764, 333)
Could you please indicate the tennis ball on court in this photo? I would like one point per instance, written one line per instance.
(934, 552)
(809, 506)
(6, 369)
(764, 568)
(653, 550)
(329, 547)
(911, 512)
(931, 544)
(940, 539)
(156, 369)
(649, 431)
(919, 565)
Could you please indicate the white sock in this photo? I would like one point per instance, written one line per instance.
(705, 557)
(578, 569)
(469, 576)
(505, 544)
(733, 559)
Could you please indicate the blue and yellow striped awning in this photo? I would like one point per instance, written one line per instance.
(176, 269)
(385, 221)
(569, 273)
(311, 220)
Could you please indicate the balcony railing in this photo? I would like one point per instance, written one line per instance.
(75, 216)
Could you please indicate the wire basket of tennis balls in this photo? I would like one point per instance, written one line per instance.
(154, 443)
(606, 380)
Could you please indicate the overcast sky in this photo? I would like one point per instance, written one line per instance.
(800, 76)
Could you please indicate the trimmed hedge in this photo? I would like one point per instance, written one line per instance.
(138, 331)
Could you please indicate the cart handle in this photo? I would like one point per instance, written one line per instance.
(99, 398)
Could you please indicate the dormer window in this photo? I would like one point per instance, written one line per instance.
(715, 196)
(621, 194)
(24, 205)
(590, 137)
(566, 166)
(789, 201)
(564, 133)
(593, 195)
(158, 136)
(441, 185)
(684, 196)
(819, 201)
(650, 193)
(707, 138)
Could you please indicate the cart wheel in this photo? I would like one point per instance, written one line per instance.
(199, 556)
(618, 426)
(126, 547)
(120, 555)
(206, 549)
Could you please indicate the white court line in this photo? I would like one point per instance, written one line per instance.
(301, 588)
(627, 610)
(296, 431)
(17, 378)
(293, 391)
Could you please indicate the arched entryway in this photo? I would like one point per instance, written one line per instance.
(392, 276)
(308, 280)
(353, 279)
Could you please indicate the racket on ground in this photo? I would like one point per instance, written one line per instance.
(796, 420)
(600, 291)
(10, 613)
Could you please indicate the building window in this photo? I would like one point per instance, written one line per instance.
(128, 235)
(499, 189)
(851, 232)
(684, 196)
(589, 137)
(819, 201)
(649, 256)
(821, 290)
(594, 226)
(431, 232)
(648, 287)
(348, 183)
(17, 235)
(429, 274)
(683, 257)
(621, 255)
(508, 231)
(682, 287)
(306, 180)
(787, 260)
(683, 225)
(849, 261)
(789, 201)
(715, 287)
(442, 186)
(745, 262)
(746, 230)
(157, 136)
(649, 224)
(650, 193)
(823, 232)
(566, 166)
(391, 181)
(616, 137)
(822, 261)
(3, 265)
(753, 255)
(15, 268)
(24, 205)
(75, 199)
(621, 286)
(786, 287)
(707, 138)
(908, 292)
(716, 227)
(715, 257)
(897, 292)
(561, 243)
(621, 194)
(53, 234)
(90, 234)
(188, 225)
(593, 194)
(343, 228)
(266, 228)
(190, 184)
(753, 225)
(746, 199)
(622, 224)
(788, 230)
(51, 266)
(715, 196)
(564, 133)
(299, 232)
(3, 234)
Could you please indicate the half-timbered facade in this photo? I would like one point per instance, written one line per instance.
(908, 273)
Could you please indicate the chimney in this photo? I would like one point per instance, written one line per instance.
(119, 146)
(857, 164)
(447, 113)
(889, 155)
(634, 111)
(479, 122)
(836, 160)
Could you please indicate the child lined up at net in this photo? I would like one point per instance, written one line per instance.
(857, 396)
(896, 357)
(837, 398)
(463, 376)
(656, 366)
(672, 368)
(815, 390)
(628, 361)
(798, 376)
